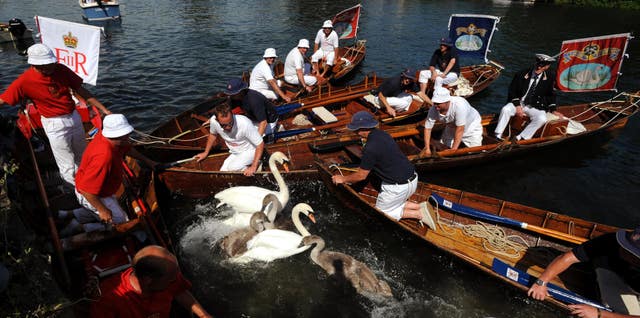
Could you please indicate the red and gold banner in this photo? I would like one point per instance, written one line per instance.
(591, 64)
(345, 23)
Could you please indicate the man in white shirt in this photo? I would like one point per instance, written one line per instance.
(241, 137)
(262, 79)
(463, 124)
(325, 47)
(294, 67)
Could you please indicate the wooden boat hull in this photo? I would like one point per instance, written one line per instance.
(479, 77)
(349, 58)
(451, 238)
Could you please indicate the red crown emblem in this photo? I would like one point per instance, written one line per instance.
(70, 41)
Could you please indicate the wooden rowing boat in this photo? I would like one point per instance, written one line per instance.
(467, 237)
(349, 57)
(475, 78)
(597, 118)
(81, 260)
(316, 116)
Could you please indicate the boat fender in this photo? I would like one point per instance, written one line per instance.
(17, 27)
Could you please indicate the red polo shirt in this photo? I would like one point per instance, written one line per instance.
(50, 94)
(120, 299)
(100, 170)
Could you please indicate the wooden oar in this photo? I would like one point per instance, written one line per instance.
(555, 291)
(468, 211)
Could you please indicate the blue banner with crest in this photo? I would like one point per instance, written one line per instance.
(471, 34)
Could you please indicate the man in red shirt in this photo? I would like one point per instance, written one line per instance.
(146, 289)
(50, 85)
(100, 174)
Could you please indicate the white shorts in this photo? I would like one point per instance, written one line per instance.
(393, 197)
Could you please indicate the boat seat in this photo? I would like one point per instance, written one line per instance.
(323, 114)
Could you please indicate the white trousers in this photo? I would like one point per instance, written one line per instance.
(538, 119)
(89, 216)
(67, 140)
(320, 53)
(308, 79)
(238, 161)
(425, 76)
(400, 103)
(393, 197)
(472, 136)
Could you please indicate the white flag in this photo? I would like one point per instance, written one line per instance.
(75, 45)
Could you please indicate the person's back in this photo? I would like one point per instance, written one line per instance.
(293, 62)
(260, 74)
(383, 155)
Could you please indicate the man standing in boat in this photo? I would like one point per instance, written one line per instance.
(463, 124)
(256, 107)
(294, 67)
(393, 93)
(325, 48)
(443, 68)
(147, 289)
(262, 80)
(241, 137)
(399, 178)
(50, 86)
(616, 260)
(530, 95)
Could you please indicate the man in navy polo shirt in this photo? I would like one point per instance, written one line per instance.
(399, 178)
(258, 108)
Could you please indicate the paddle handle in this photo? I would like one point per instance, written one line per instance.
(555, 234)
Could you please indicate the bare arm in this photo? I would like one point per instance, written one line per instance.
(357, 176)
(386, 105)
(427, 142)
(256, 160)
(90, 100)
(457, 138)
(276, 88)
(300, 75)
(557, 266)
(452, 62)
(2, 102)
(186, 300)
(211, 139)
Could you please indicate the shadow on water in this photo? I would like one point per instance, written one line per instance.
(425, 281)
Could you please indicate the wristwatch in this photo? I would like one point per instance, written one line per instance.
(540, 282)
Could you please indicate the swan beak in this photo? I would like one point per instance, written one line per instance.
(285, 165)
(311, 217)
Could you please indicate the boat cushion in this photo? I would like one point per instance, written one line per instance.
(326, 116)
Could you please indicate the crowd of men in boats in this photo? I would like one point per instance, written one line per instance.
(95, 170)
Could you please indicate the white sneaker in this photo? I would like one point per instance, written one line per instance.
(372, 100)
(428, 215)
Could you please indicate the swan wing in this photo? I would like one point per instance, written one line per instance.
(243, 199)
(270, 245)
(237, 220)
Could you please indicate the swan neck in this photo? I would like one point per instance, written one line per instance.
(295, 217)
(315, 252)
(283, 193)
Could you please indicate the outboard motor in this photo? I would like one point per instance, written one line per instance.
(17, 27)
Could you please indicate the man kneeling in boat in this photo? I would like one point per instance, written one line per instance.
(393, 93)
(241, 137)
(147, 289)
(399, 178)
(463, 124)
(530, 94)
(99, 176)
(616, 260)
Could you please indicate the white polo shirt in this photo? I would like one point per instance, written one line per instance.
(243, 136)
(260, 74)
(294, 62)
(328, 43)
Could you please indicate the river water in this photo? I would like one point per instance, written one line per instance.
(165, 56)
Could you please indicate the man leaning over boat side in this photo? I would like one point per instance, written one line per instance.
(394, 93)
(100, 175)
(325, 47)
(615, 257)
(463, 124)
(256, 107)
(241, 137)
(383, 156)
(444, 68)
(262, 80)
(530, 95)
(294, 67)
(50, 86)
(147, 289)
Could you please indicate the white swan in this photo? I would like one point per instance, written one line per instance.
(357, 273)
(273, 244)
(248, 199)
(235, 243)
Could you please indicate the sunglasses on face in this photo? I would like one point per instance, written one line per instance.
(227, 125)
